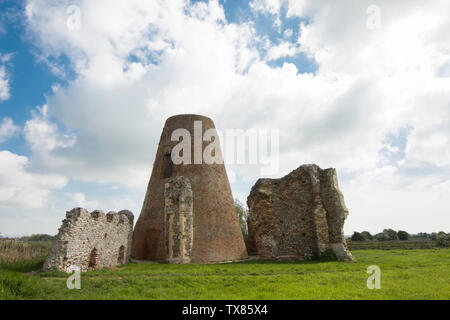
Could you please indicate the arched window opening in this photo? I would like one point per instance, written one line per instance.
(93, 259)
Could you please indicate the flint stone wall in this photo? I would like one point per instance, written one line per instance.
(299, 216)
(92, 241)
(179, 220)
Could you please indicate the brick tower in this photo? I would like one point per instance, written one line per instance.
(192, 219)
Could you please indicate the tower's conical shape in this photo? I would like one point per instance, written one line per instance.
(216, 231)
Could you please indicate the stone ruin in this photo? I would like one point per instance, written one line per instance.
(188, 214)
(91, 241)
(179, 220)
(299, 216)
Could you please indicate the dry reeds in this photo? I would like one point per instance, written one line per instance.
(15, 250)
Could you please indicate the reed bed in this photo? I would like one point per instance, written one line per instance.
(15, 250)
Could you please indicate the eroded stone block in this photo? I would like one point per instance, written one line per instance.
(179, 220)
(299, 216)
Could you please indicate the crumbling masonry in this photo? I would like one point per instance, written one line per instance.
(179, 220)
(188, 214)
(92, 241)
(299, 216)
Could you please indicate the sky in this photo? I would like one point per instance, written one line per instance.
(363, 87)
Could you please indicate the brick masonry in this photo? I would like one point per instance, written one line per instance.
(299, 216)
(217, 234)
(91, 241)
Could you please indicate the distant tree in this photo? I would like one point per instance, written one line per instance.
(242, 213)
(421, 235)
(367, 235)
(403, 235)
(357, 237)
(442, 239)
(381, 236)
(433, 236)
(390, 234)
(38, 237)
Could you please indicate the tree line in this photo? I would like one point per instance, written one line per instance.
(441, 237)
(34, 237)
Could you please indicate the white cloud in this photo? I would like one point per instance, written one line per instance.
(116, 107)
(283, 49)
(4, 79)
(267, 6)
(165, 58)
(79, 200)
(288, 33)
(389, 78)
(43, 135)
(273, 7)
(7, 129)
(21, 188)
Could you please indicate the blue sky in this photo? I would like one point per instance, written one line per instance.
(84, 107)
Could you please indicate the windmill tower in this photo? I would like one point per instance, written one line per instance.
(188, 214)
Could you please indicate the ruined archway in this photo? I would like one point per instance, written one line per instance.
(93, 259)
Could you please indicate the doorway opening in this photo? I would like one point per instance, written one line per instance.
(93, 259)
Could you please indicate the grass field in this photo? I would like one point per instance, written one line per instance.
(405, 274)
(394, 244)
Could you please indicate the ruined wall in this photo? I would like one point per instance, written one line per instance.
(298, 216)
(92, 240)
(179, 220)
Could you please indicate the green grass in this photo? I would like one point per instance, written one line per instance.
(389, 245)
(405, 274)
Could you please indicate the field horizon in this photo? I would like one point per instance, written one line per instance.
(405, 274)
